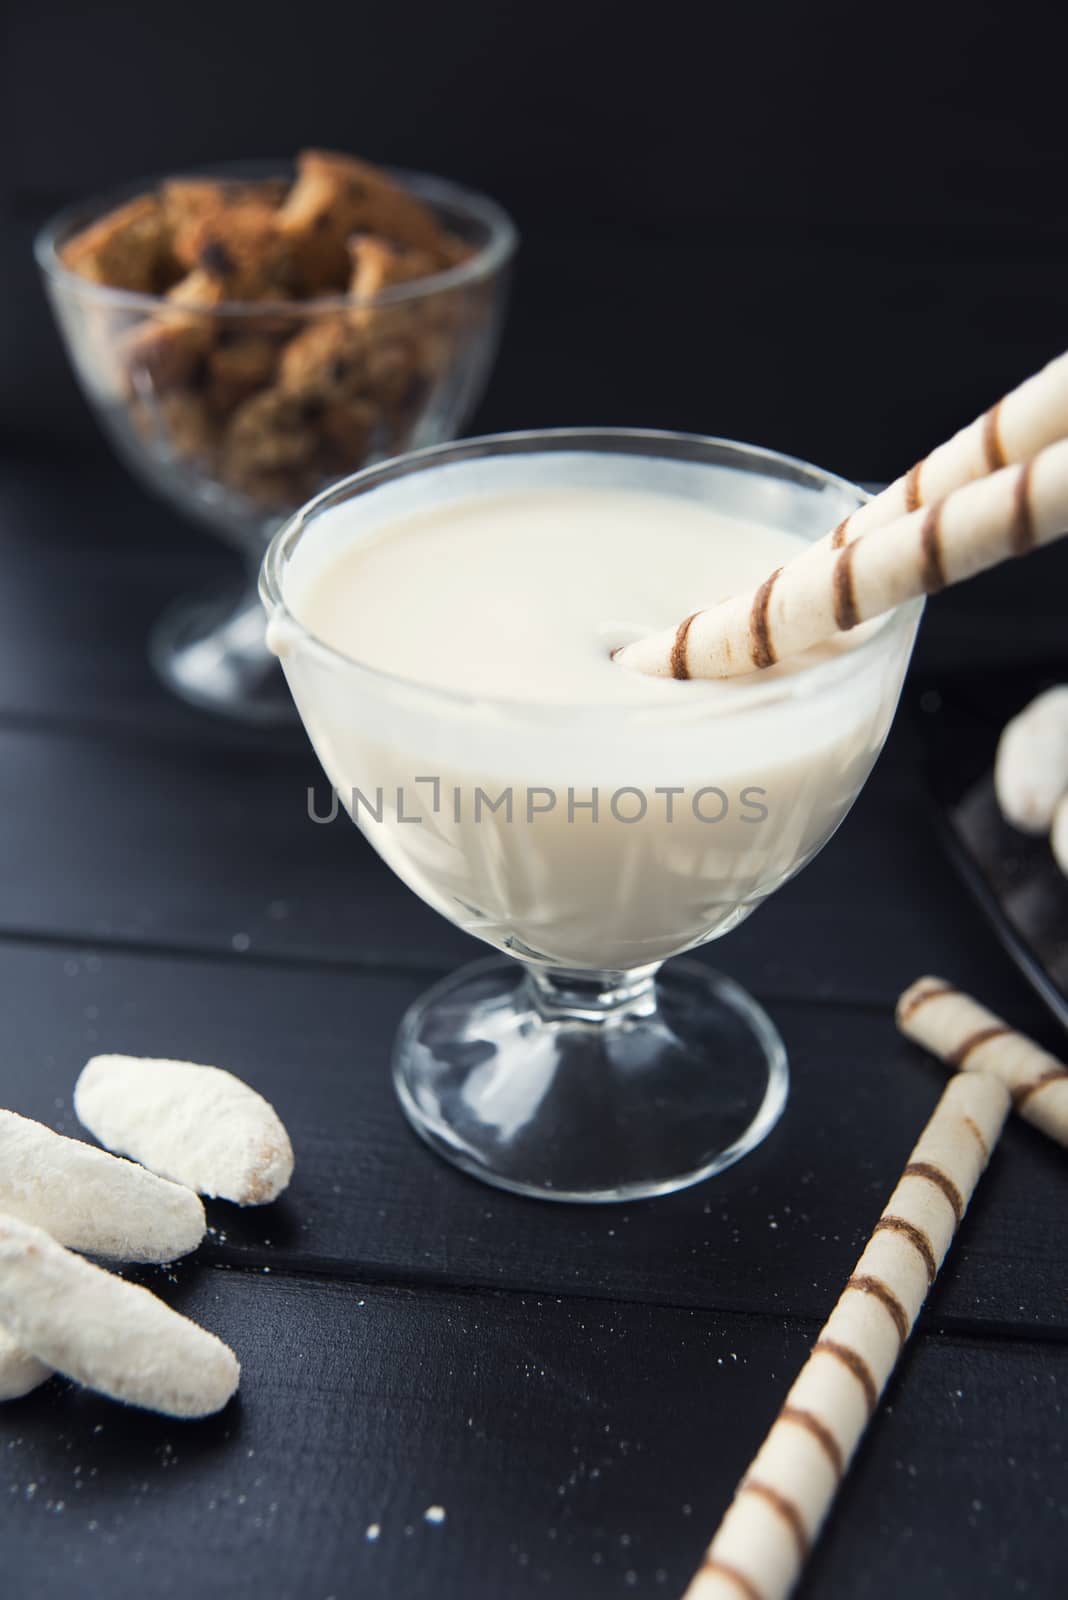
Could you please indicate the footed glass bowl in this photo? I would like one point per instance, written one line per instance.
(238, 413)
(576, 1066)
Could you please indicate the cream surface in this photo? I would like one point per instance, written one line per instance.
(622, 818)
(525, 594)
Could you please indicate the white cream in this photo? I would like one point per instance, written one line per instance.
(524, 595)
(507, 589)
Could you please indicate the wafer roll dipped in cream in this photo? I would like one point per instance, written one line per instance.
(20, 1373)
(196, 1125)
(780, 1505)
(92, 1201)
(827, 590)
(1022, 423)
(969, 1038)
(113, 1337)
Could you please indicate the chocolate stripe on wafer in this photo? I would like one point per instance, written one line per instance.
(723, 1569)
(679, 669)
(935, 1175)
(863, 1283)
(760, 645)
(853, 1363)
(784, 1507)
(919, 994)
(915, 1237)
(844, 595)
(913, 497)
(993, 450)
(1022, 535)
(1020, 1097)
(977, 1133)
(933, 569)
(959, 1056)
(819, 1431)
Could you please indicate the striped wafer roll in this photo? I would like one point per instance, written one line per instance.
(970, 1038)
(780, 1504)
(1022, 423)
(827, 590)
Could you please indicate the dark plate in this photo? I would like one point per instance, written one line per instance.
(1014, 878)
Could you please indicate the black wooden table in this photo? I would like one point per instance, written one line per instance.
(576, 1389)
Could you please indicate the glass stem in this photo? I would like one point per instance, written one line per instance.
(600, 997)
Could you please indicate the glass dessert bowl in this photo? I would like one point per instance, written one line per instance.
(238, 410)
(589, 831)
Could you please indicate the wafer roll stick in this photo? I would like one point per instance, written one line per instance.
(112, 1336)
(827, 590)
(92, 1201)
(1022, 423)
(19, 1372)
(780, 1504)
(970, 1038)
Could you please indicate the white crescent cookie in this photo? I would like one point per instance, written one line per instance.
(19, 1372)
(91, 1201)
(1058, 837)
(196, 1125)
(1031, 769)
(112, 1336)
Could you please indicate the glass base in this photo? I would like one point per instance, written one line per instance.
(212, 653)
(590, 1087)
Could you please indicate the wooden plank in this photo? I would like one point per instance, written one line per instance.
(778, 1233)
(575, 1447)
(90, 562)
(133, 840)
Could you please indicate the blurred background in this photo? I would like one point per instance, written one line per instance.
(834, 229)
